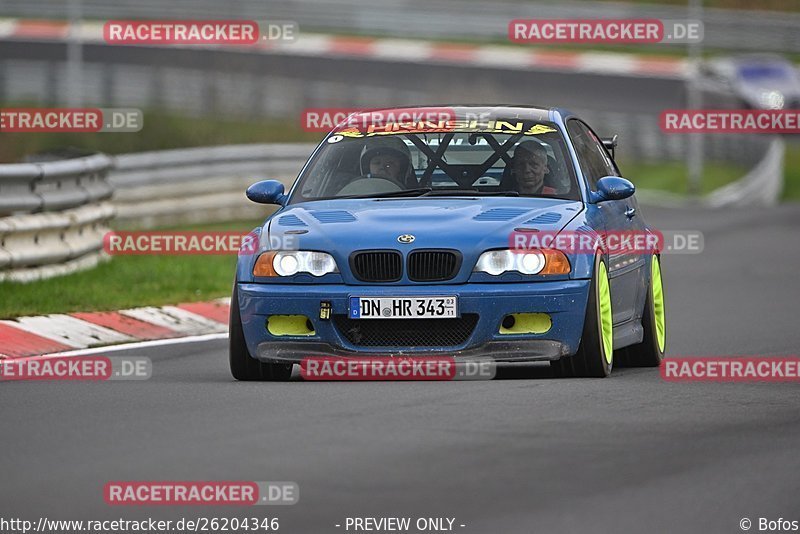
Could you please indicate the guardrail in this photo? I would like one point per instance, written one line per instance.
(199, 184)
(53, 185)
(54, 215)
(762, 186)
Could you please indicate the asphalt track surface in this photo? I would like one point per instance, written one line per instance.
(528, 453)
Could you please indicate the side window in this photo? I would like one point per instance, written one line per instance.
(595, 161)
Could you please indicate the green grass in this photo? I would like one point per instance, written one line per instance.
(123, 282)
(128, 281)
(673, 177)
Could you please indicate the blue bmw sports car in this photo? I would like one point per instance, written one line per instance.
(499, 232)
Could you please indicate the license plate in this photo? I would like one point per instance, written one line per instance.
(403, 307)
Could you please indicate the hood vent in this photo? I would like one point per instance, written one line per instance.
(291, 220)
(333, 216)
(500, 214)
(550, 217)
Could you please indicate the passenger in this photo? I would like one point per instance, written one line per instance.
(529, 167)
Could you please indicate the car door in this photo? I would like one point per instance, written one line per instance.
(620, 217)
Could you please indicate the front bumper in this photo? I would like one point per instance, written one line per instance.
(565, 302)
(530, 350)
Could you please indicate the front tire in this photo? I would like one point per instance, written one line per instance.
(595, 356)
(243, 365)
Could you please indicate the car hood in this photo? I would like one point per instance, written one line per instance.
(468, 224)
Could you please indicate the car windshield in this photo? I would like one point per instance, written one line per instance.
(496, 157)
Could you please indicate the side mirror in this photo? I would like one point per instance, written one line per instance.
(612, 188)
(267, 192)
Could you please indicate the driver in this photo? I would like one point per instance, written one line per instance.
(389, 159)
(385, 163)
(528, 168)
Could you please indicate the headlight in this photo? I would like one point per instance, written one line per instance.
(772, 100)
(286, 264)
(545, 261)
(289, 263)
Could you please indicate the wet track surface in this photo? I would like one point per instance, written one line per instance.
(630, 453)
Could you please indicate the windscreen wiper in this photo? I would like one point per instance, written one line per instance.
(470, 192)
(402, 193)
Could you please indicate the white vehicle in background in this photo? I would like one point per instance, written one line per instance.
(750, 81)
